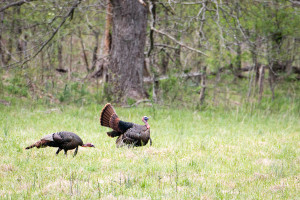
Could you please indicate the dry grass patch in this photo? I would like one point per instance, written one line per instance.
(7, 168)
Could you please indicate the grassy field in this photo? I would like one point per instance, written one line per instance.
(210, 154)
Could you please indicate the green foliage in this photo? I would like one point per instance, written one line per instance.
(130, 101)
(65, 95)
(107, 92)
(18, 86)
(170, 88)
(76, 93)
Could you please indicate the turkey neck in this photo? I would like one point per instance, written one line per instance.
(146, 123)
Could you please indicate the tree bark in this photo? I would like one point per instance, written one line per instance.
(261, 82)
(107, 42)
(95, 51)
(127, 49)
(19, 35)
(238, 61)
(272, 80)
(164, 56)
(203, 85)
(71, 58)
(85, 59)
(60, 55)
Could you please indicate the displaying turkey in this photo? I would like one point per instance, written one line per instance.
(128, 133)
(63, 140)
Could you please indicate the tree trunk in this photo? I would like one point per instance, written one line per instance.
(60, 55)
(203, 85)
(127, 49)
(1, 42)
(238, 61)
(85, 59)
(95, 51)
(71, 57)
(107, 42)
(272, 80)
(164, 55)
(19, 35)
(261, 82)
(6, 50)
(43, 67)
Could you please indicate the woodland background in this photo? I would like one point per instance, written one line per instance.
(195, 53)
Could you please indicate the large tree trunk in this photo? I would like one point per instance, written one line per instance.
(127, 49)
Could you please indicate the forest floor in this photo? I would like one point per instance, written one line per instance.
(210, 154)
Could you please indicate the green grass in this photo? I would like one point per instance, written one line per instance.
(210, 154)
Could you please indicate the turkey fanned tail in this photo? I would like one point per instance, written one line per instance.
(109, 118)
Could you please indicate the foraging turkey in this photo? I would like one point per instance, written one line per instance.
(128, 133)
(63, 140)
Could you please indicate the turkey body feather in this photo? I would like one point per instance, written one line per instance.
(63, 140)
(128, 133)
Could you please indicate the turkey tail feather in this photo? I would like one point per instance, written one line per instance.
(38, 144)
(31, 146)
(109, 118)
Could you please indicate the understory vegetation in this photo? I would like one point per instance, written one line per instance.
(213, 153)
(226, 92)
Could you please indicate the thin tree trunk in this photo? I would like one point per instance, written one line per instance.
(24, 48)
(238, 61)
(217, 80)
(85, 59)
(107, 40)
(43, 67)
(51, 65)
(1, 42)
(7, 53)
(272, 80)
(203, 85)
(164, 56)
(60, 55)
(256, 68)
(71, 58)
(261, 82)
(250, 84)
(19, 35)
(95, 51)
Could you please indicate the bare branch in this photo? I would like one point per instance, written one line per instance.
(176, 41)
(142, 2)
(165, 46)
(190, 3)
(295, 3)
(18, 3)
(69, 14)
(182, 75)
(152, 12)
(83, 51)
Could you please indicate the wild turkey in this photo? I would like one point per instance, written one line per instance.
(128, 133)
(63, 140)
